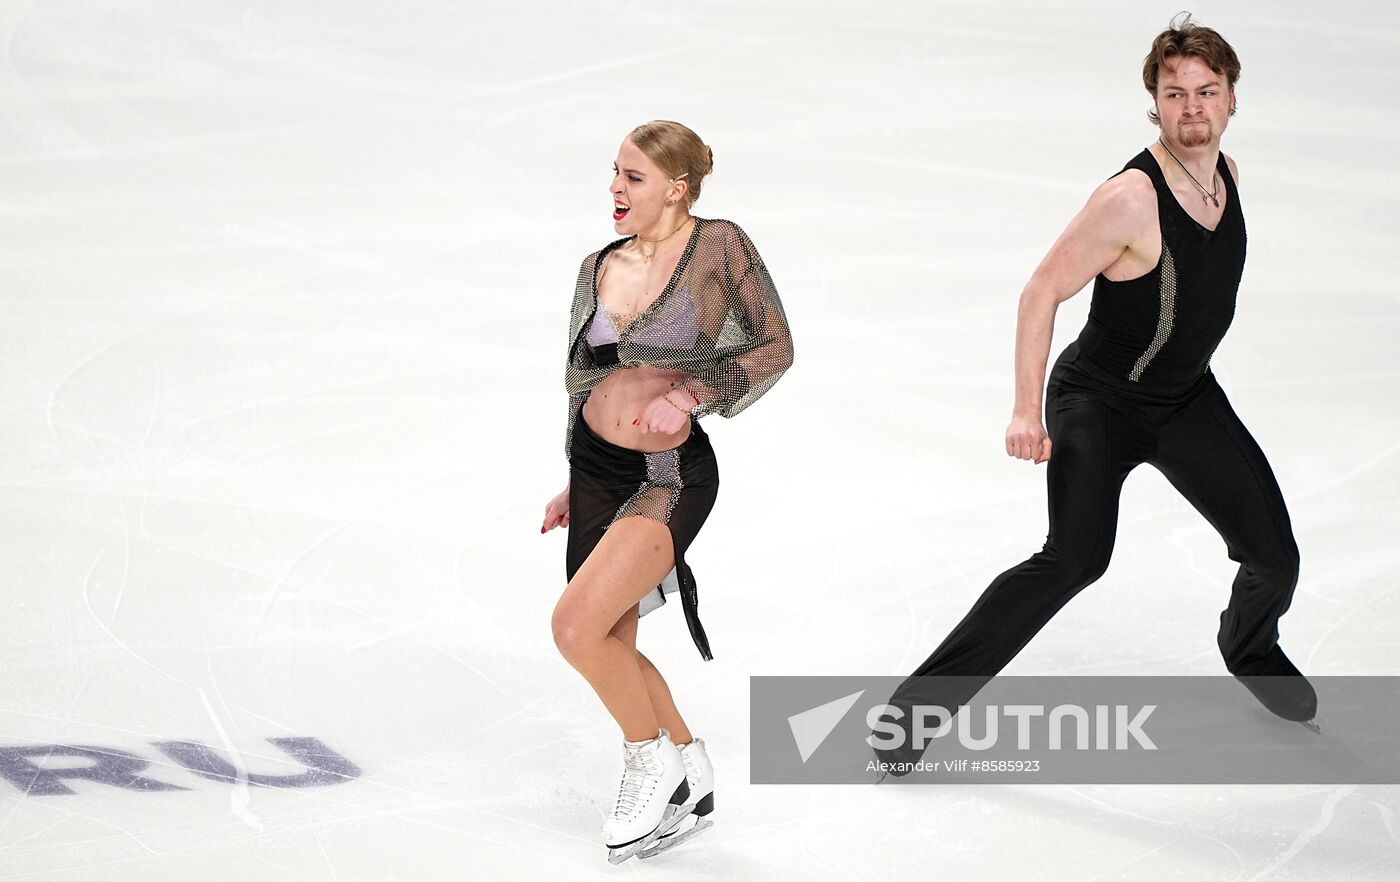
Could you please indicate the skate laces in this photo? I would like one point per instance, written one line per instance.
(692, 764)
(638, 764)
(691, 757)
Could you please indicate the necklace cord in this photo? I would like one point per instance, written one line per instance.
(646, 258)
(1215, 178)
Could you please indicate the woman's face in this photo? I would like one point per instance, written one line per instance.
(639, 190)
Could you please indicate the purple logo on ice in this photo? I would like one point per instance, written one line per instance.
(41, 769)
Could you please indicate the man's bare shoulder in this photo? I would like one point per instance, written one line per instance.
(1234, 169)
(1120, 207)
(1125, 194)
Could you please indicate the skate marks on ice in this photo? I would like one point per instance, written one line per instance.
(249, 241)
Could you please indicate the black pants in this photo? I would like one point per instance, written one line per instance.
(1207, 454)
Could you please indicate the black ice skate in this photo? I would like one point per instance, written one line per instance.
(1280, 687)
(897, 761)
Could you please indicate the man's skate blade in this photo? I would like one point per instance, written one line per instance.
(1311, 726)
(1292, 699)
(670, 842)
(673, 816)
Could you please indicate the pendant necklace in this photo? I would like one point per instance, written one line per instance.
(1205, 194)
(646, 258)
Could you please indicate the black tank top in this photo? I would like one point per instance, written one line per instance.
(1153, 336)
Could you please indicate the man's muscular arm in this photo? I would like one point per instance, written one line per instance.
(1108, 231)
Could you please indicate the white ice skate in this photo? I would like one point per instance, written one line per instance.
(700, 775)
(651, 799)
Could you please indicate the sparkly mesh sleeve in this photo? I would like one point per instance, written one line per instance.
(575, 405)
(752, 341)
(718, 320)
(579, 359)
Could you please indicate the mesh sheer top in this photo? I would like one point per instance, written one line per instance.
(718, 319)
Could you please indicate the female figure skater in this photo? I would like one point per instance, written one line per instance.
(676, 320)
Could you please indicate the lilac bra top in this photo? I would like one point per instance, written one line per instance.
(601, 330)
(672, 324)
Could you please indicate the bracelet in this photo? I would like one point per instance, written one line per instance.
(687, 391)
(675, 405)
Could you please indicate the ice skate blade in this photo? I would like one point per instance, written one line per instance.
(674, 815)
(1311, 726)
(669, 842)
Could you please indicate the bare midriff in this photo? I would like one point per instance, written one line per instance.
(618, 400)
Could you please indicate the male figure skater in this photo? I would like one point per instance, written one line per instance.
(1164, 242)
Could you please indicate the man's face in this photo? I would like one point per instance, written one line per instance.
(1193, 102)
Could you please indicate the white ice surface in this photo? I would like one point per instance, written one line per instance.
(283, 298)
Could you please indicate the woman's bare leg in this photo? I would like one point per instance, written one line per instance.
(660, 694)
(632, 558)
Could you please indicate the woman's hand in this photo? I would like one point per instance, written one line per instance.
(665, 414)
(556, 513)
(1026, 439)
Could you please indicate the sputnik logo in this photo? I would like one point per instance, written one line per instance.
(811, 727)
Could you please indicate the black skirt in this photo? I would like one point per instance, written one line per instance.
(675, 487)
